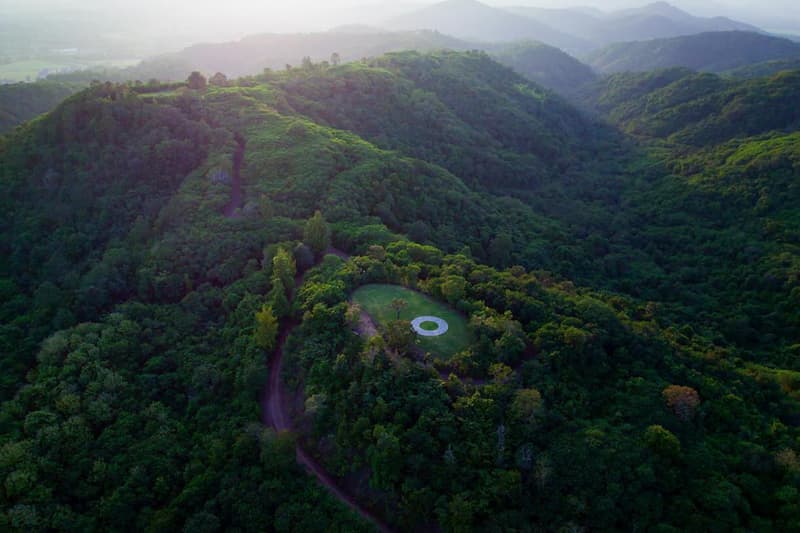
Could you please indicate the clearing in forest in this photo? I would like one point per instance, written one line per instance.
(377, 301)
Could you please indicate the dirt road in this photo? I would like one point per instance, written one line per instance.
(274, 413)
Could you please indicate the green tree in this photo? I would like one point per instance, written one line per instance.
(662, 441)
(397, 305)
(399, 335)
(266, 330)
(500, 250)
(454, 288)
(284, 269)
(196, 81)
(277, 296)
(335, 59)
(317, 234)
(219, 80)
(527, 404)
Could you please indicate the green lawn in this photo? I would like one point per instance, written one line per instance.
(375, 300)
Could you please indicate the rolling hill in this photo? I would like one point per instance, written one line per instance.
(21, 102)
(712, 52)
(253, 54)
(653, 21)
(767, 68)
(546, 65)
(632, 355)
(472, 20)
(700, 108)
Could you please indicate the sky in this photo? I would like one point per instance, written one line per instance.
(182, 22)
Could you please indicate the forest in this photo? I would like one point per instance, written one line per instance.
(628, 273)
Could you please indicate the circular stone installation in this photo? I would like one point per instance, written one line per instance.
(441, 326)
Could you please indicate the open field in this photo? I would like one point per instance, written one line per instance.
(29, 70)
(375, 300)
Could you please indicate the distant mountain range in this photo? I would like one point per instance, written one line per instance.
(712, 52)
(576, 30)
(658, 20)
(273, 50)
(470, 19)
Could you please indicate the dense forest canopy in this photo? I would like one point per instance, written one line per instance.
(716, 51)
(629, 278)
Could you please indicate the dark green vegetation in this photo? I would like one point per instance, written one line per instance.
(546, 65)
(20, 102)
(377, 301)
(699, 109)
(712, 52)
(632, 301)
(767, 68)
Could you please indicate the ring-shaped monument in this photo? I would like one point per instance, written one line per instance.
(441, 326)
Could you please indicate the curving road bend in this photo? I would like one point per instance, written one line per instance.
(274, 413)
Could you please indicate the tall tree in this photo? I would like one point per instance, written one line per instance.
(397, 305)
(317, 233)
(280, 303)
(266, 330)
(284, 269)
(196, 81)
(682, 400)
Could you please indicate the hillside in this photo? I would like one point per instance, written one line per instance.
(728, 151)
(514, 126)
(472, 20)
(545, 65)
(658, 20)
(253, 54)
(177, 331)
(700, 109)
(539, 63)
(767, 68)
(712, 52)
(21, 102)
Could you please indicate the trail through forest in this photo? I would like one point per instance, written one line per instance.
(274, 413)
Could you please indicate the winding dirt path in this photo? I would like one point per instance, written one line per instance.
(274, 413)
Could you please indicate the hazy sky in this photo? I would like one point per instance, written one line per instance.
(210, 20)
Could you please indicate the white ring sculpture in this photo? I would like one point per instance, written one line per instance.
(416, 325)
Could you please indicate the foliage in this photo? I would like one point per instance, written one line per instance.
(712, 52)
(21, 102)
(317, 233)
(545, 65)
(682, 400)
(585, 274)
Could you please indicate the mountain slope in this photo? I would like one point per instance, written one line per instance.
(21, 102)
(469, 19)
(253, 54)
(654, 21)
(700, 109)
(657, 387)
(713, 52)
(767, 68)
(526, 126)
(545, 65)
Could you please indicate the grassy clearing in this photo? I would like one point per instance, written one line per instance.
(375, 300)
